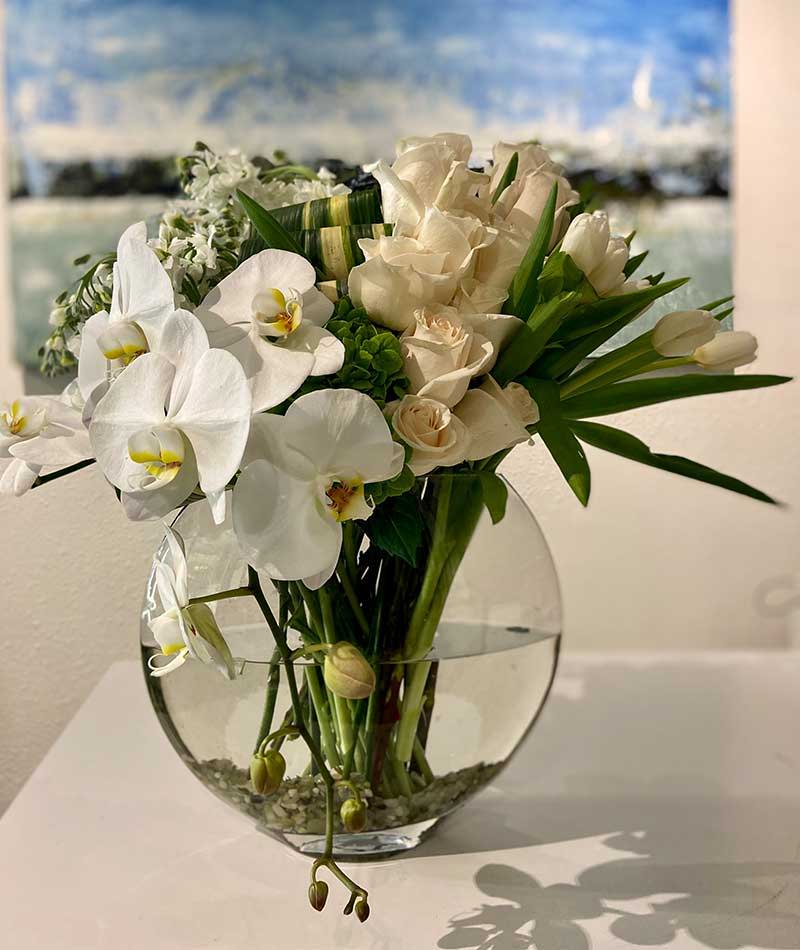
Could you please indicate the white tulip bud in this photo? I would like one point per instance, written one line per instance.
(727, 351)
(586, 240)
(682, 332)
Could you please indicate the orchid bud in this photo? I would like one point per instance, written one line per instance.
(727, 351)
(362, 909)
(258, 774)
(354, 815)
(275, 766)
(347, 673)
(680, 333)
(318, 894)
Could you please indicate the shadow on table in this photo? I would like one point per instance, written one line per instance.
(684, 842)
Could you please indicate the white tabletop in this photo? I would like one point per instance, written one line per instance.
(657, 803)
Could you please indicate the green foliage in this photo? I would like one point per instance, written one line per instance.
(532, 338)
(271, 232)
(559, 439)
(622, 397)
(508, 176)
(358, 207)
(629, 447)
(373, 363)
(396, 526)
(495, 495)
(560, 274)
(525, 290)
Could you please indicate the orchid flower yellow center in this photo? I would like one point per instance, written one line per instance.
(277, 315)
(160, 451)
(344, 500)
(22, 421)
(123, 340)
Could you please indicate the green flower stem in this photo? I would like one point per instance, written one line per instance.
(619, 363)
(288, 731)
(222, 595)
(340, 704)
(352, 598)
(401, 775)
(422, 762)
(413, 694)
(279, 636)
(270, 698)
(320, 702)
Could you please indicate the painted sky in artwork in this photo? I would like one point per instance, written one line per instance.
(122, 78)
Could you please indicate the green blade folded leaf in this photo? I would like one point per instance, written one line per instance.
(271, 232)
(508, 176)
(608, 310)
(560, 274)
(559, 439)
(530, 341)
(716, 303)
(334, 251)
(523, 292)
(629, 447)
(622, 397)
(357, 207)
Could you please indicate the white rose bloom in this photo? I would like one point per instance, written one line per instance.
(498, 263)
(602, 258)
(435, 435)
(523, 202)
(401, 274)
(727, 351)
(474, 297)
(442, 353)
(531, 157)
(496, 418)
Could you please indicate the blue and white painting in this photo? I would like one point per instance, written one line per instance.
(97, 88)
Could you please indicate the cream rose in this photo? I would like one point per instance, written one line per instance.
(442, 353)
(522, 203)
(435, 435)
(403, 273)
(496, 418)
(474, 297)
(531, 157)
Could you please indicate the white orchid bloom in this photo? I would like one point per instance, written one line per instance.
(269, 314)
(38, 432)
(173, 418)
(304, 474)
(184, 630)
(141, 300)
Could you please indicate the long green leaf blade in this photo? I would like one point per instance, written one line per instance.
(508, 176)
(532, 338)
(622, 397)
(524, 292)
(629, 447)
(559, 439)
(273, 234)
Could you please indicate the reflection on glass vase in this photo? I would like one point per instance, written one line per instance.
(461, 646)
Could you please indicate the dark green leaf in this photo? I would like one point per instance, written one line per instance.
(273, 234)
(523, 292)
(81, 260)
(559, 439)
(529, 342)
(609, 310)
(622, 397)
(634, 262)
(495, 495)
(508, 176)
(396, 526)
(716, 303)
(559, 274)
(628, 446)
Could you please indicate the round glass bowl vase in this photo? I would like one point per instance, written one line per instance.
(486, 678)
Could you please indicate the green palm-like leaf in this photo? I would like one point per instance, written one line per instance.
(629, 447)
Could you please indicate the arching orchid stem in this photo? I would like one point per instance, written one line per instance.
(61, 472)
(222, 595)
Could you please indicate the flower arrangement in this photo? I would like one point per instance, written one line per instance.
(338, 370)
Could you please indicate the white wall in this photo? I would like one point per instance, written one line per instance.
(656, 562)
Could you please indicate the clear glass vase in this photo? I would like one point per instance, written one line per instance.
(463, 666)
